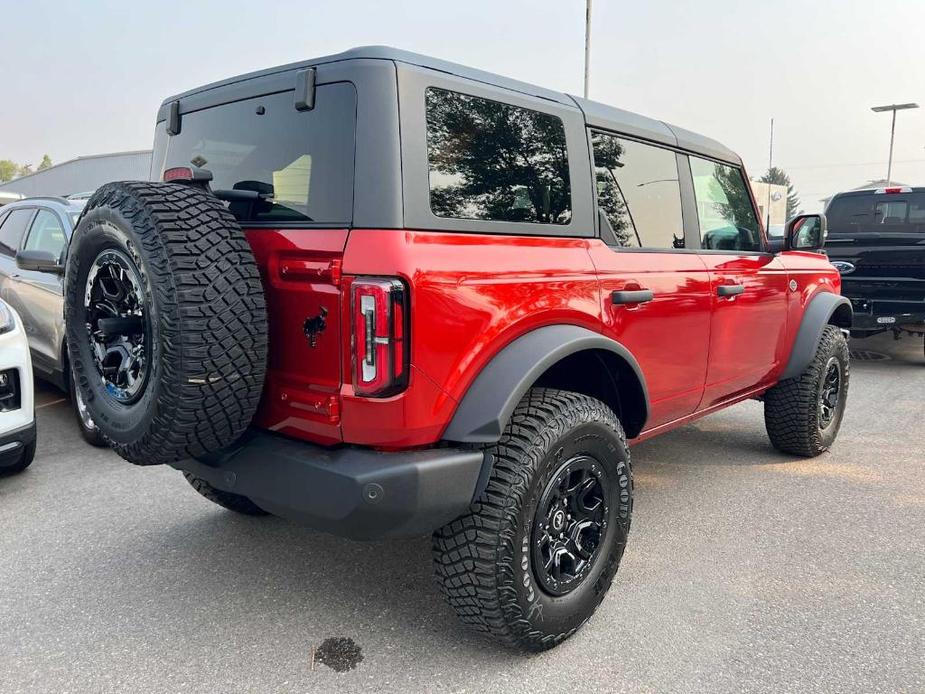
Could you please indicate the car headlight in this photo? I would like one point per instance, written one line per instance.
(7, 322)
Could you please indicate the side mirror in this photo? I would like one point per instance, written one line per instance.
(806, 232)
(39, 261)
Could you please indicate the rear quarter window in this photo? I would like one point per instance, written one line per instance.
(288, 166)
(489, 160)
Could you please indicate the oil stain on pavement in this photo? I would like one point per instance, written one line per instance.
(339, 653)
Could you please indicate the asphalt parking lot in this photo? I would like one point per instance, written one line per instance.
(746, 571)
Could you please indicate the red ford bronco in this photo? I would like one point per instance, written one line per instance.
(386, 295)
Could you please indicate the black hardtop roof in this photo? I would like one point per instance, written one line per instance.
(596, 114)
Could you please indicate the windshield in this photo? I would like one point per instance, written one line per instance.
(873, 212)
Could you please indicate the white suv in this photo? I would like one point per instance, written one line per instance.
(17, 410)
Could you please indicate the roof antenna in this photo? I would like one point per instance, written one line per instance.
(587, 46)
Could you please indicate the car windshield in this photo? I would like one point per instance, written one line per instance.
(877, 212)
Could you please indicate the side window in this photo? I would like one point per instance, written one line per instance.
(46, 234)
(724, 207)
(11, 232)
(639, 192)
(493, 161)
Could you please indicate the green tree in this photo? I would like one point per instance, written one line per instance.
(779, 177)
(8, 170)
(45, 163)
(25, 169)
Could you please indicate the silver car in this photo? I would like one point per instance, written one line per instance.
(34, 234)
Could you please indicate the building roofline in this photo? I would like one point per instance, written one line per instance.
(75, 159)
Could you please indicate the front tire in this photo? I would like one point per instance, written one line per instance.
(803, 415)
(25, 460)
(538, 550)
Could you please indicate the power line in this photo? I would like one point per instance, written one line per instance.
(864, 163)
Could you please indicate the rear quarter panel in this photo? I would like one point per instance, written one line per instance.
(471, 294)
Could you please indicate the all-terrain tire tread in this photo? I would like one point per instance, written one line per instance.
(473, 555)
(790, 408)
(233, 502)
(212, 323)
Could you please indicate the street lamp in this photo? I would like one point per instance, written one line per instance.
(894, 108)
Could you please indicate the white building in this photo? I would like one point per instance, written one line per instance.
(83, 174)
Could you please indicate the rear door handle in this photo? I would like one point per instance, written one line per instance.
(730, 289)
(634, 296)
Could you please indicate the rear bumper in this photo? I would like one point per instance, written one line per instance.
(13, 443)
(352, 492)
(884, 305)
(876, 314)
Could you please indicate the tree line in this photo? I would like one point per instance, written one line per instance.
(9, 169)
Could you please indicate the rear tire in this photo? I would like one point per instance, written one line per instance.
(233, 502)
(800, 414)
(85, 423)
(504, 567)
(166, 321)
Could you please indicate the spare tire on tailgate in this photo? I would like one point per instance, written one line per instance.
(166, 321)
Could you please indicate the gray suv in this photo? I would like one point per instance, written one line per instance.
(34, 234)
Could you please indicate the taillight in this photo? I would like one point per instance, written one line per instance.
(178, 173)
(381, 351)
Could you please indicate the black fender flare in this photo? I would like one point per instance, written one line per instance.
(816, 316)
(487, 406)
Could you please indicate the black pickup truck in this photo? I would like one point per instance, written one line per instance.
(876, 240)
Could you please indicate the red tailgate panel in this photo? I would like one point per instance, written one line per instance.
(301, 272)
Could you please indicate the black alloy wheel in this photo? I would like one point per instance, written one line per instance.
(570, 525)
(118, 325)
(830, 393)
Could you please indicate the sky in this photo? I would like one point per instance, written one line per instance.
(79, 78)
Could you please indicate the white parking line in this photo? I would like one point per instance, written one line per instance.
(49, 404)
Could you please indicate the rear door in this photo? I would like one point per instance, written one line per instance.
(749, 285)
(654, 289)
(41, 293)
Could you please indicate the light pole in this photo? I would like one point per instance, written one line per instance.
(587, 45)
(894, 108)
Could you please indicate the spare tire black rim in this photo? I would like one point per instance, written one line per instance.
(569, 525)
(118, 325)
(830, 393)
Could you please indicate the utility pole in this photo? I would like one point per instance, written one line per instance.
(587, 46)
(767, 222)
(894, 108)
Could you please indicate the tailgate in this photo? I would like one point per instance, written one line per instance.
(301, 272)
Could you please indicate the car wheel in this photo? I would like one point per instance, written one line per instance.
(803, 414)
(88, 428)
(233, 502)
(534, 557)
(166, 321)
